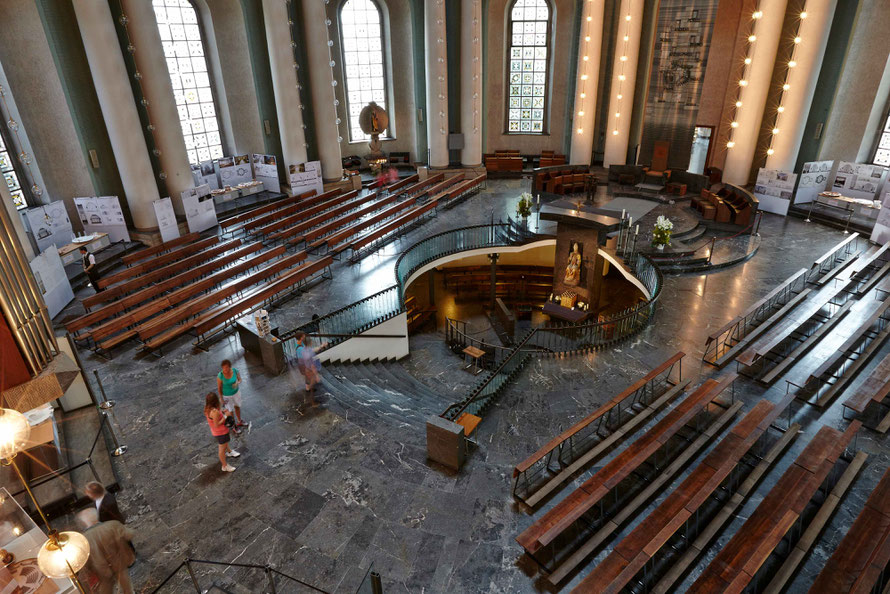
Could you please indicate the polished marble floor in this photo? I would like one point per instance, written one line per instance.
(322, 497)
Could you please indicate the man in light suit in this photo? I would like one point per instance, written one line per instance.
(110, 552)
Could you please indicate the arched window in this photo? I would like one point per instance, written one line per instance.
(361, 37)
(12, 177)
(192, 90)
(528, 67)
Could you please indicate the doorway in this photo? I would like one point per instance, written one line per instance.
(701, 149)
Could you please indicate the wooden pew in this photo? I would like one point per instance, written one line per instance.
(316, 237)
(418, 189)
(827, 261)
(302, 205)
(873, 391)
(642, 545)
(860, 559)
(293, 232)
(218, 317)
(584, 441)
(263, 210)
(394, 187)
(588, 497)
(160, 248)
(384, 231)
(159, 261)
(157, 274)
(340, 241)
(445, 184)
(453, 195)
(286, 222)
(151, 291)
(739, 561)
(109, 335)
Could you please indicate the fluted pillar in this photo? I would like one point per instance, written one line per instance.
(321, 81)
(471, 82)
(624, 74)
(587, 82)
(152, 65)
(762, 50)
(808, 54)
(284, 81)
(436, 82)
(110, 78)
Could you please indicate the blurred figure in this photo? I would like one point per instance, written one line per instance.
(111, 553)
(106, 504)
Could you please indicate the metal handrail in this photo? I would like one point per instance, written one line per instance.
(308, 326)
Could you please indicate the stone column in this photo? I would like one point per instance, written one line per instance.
(156, 85)
(284, 81)
(436, 82)
(808, 54)
(471, 82)
(587, 82)
(624, 75)
(321, 82)
(112, 84)
(754, 90)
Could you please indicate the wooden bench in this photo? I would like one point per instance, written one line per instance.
(682, 506)
(836, 255)
(504, 160)
(158, 262)
(860, 559)
(218, 317)
(154, 250)
(385, 232)
(316, 237)
(109, 335)
(592, 494)
(259, 211)
(311, 201)
(395, 186)
(444, 185)
(872, 392)
(586, 440)
(452, 196)
(153, 276)
(740, 560)
(294, 219)
(420, 188)
(295, 230)
(341, 240)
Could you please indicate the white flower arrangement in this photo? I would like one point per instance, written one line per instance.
(664, 223)
(661, 235)
(524, 207)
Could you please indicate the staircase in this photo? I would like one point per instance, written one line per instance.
(691, 251)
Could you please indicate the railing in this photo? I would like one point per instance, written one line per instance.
(270, 575)
(458, 338)
(837, 255)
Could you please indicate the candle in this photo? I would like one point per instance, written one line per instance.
(637, 230)
(539, 199)
(622, 213)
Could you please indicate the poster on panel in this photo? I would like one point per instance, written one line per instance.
(304, 177)
(103, 214)
(50, 225)
(265, 169)
(205, 173)
(200, 211)
(774, 189)
(234, 170)
(166, 216)
(857, 180)
(815, 177)
(49, 273)
(881, 232)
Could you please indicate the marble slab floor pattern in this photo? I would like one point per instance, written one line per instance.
(321, 497)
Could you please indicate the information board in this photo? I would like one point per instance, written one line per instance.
(103, 214)
(200, 211)
(49, 272)
(857, 180)
(306, 176)
(50, 225)
(234, 170)
(774, 189)
(166, 216)
(265, 169)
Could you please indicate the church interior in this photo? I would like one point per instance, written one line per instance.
(525, 295)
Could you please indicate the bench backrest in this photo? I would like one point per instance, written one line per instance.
(157, 249)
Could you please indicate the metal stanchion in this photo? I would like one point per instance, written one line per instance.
(376, 584)
(106, 404)
(119, 450)
(188, 567)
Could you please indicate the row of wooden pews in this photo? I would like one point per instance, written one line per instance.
(157, 262)
(567, 534)
(234, 223)
(155, 250)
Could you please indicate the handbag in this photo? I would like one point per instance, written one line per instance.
(230, 421)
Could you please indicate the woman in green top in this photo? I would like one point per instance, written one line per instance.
(227, 382)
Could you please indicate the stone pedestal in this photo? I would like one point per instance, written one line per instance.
(445, 442)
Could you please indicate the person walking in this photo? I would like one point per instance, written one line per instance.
(228, 382)
(88, 261)
(106, 504)
(111, 552)
(216, 418)
(307, 362)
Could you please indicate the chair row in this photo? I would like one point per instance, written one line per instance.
(259, 211)
(507, 160)
(543, 175)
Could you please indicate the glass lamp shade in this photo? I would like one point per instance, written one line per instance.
(14, 432)
(68, 549)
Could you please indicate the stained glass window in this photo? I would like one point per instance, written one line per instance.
(12, 177)
(187, 64)
(882, 153)
(361, 38)
(527, 74)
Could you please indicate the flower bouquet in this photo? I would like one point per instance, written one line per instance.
(661, 234)
(524, 207)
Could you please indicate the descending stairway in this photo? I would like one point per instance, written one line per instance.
(380, 396)
(690, 252)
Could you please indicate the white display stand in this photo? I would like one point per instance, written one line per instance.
(234, 170)
(200, 212)
(166, 216)
(205, 173)
(881, 232)
(49, 272)
(815, 177)
(857, 180)
(50, 225)
(265, 169)
(306, 176)
(103, 214)
(774, 190)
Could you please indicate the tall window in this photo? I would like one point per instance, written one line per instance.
(882, 153)
(528, 66)
(187, 64)
(12, 177)
(361, 37)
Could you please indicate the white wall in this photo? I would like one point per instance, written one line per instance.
(359, 349)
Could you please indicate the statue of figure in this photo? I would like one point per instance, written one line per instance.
(375, 123)
(573, 267)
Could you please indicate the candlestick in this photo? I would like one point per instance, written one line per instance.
(637, 230)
